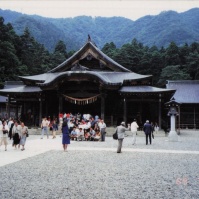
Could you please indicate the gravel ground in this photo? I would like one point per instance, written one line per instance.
(91, 174)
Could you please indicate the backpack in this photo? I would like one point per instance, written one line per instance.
(115, 136)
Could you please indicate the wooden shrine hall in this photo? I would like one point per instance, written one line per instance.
(89, 82)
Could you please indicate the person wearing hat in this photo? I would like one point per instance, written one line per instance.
(120, 132)
(134, 127)
(148, 130)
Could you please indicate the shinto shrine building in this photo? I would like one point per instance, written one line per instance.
(89, 82)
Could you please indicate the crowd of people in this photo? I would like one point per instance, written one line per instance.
(15, 131)
(75, 127)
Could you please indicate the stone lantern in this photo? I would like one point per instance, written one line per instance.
(173, 105)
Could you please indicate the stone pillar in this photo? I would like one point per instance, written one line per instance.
(173, 137)
(159, 111)
(102, 106)
(124, 112)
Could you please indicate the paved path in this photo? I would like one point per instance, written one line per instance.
(35, 146)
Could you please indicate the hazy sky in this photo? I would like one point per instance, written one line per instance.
(131, 9)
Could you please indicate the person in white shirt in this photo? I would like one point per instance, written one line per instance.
(4, 134)
(134, 127)
(44, 126)
(10, 122)
(80, 135)
(156, 128)
(102, 127)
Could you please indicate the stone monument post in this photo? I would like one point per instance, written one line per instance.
(173, 137)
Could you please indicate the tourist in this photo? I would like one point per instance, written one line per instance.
(16, 134)
(44, 127)
(147, 130)
(80, 135)
(76, 122)
(70, 125)
(97, 136)
(92, 122)
(54, 128)
(156, 128)
(73, 134)
(10, 122)
(92, 134)
(24, 132)
(86, 135)
(102, 127)
(4, 134)
(120, 132)
(10, 128)
(65, 135)
(134, 127)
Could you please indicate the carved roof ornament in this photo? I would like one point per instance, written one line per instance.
(89, 38)
(78, 67)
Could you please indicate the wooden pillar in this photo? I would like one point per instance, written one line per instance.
(60, 104)
(8, 106)
(102, 106)
(40, 110)
(124, 115)
(179, 117)
(16, 113)
(159, 111)
(194, 116)
(46, 108)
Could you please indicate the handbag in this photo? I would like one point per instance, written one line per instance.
(5, 131)
(115, 136)
(27, 134)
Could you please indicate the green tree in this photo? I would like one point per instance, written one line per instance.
(173, 73)
(172, 55)
(60, 54)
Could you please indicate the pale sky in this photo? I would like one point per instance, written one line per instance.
(131, 9)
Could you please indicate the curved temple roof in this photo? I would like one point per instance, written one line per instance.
(187, 91)
(89, 49)
(110, 78)
(143, 89)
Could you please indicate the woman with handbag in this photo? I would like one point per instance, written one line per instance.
(16, 134)
(4, 134)
(24, 133)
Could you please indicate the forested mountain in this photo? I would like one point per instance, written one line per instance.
(22, 55)
(157, 30)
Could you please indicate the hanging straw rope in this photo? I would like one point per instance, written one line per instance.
(83, 101)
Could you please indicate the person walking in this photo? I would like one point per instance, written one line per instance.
(134, 127)
(147, 130)
(44, 127)
(24, 132)
(54, 128)
(120, 132)
(102, 127)
(65, 135)
(4, 134)
(16, 134)
(156, 128)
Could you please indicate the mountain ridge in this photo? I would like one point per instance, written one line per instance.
(150, 30)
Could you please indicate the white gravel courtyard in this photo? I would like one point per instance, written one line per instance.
(94, 170)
